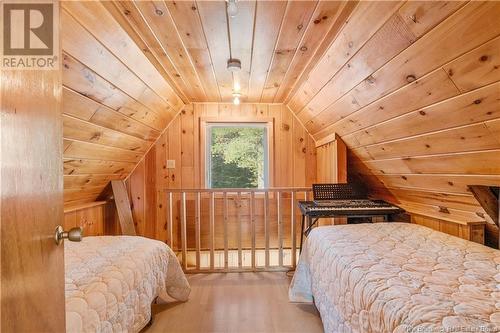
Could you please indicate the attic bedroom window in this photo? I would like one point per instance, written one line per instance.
(237, 155)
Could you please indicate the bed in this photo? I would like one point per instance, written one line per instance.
(111, 282)
(398, 277)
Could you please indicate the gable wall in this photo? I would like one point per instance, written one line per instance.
(294, 159)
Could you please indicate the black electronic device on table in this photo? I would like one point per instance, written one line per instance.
(336, 200)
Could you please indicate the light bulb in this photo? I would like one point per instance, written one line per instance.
(232, 8)
(236, 86)
(236, 100)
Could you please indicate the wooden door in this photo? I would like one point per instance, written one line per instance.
(31, 185)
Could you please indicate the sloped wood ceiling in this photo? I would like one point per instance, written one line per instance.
(190, 42)
(115, 102)
(413, 89)
(129, 67)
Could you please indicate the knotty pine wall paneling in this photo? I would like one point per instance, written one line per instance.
(91, 217)
(419, 111)
(294, 164)
(331, 167)
(472, 231)
(332, 162)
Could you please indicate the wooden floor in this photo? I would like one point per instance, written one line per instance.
(236, 302)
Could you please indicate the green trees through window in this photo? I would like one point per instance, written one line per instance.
(237, 156)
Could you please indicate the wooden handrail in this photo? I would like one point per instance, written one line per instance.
(236, 190)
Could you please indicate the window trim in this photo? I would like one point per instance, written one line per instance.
(269, 154)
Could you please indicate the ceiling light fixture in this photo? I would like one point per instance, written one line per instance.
(232, 8)
(233, 65)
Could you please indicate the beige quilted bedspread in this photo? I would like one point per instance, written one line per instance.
(398, 277)
(111, 282)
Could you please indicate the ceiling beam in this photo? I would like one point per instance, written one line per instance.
(487, 200)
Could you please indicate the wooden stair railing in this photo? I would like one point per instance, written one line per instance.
(263, 219)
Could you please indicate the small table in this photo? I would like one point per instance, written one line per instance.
(312, 211)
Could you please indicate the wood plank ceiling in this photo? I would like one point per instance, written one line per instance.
(129, 67)
(115, 102)
(413, 89)
(191, 42)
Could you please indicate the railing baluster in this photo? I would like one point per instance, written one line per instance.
(294, 233)
(183, 231)
(212, 230)
(266, 227)
(303, 226)
(170, 223)
(226, 252)
(178, 239)
(252, 226)
(280, 229)
(197, 229)
(238, 207)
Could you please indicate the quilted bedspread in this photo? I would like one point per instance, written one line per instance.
(111, 282)
(398, 277)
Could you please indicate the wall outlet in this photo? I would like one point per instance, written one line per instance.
(170, 164)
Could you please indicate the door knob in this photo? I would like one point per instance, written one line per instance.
(74, 234)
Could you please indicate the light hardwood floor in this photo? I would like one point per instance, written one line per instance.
(236, 302)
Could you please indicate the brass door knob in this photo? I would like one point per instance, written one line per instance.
(74, 234)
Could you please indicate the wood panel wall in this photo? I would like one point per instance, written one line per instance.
(91, 217)
(331, 167)
(413, 90)
(294, 160)
(115, 102)
(474, 232)
(331, 162)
